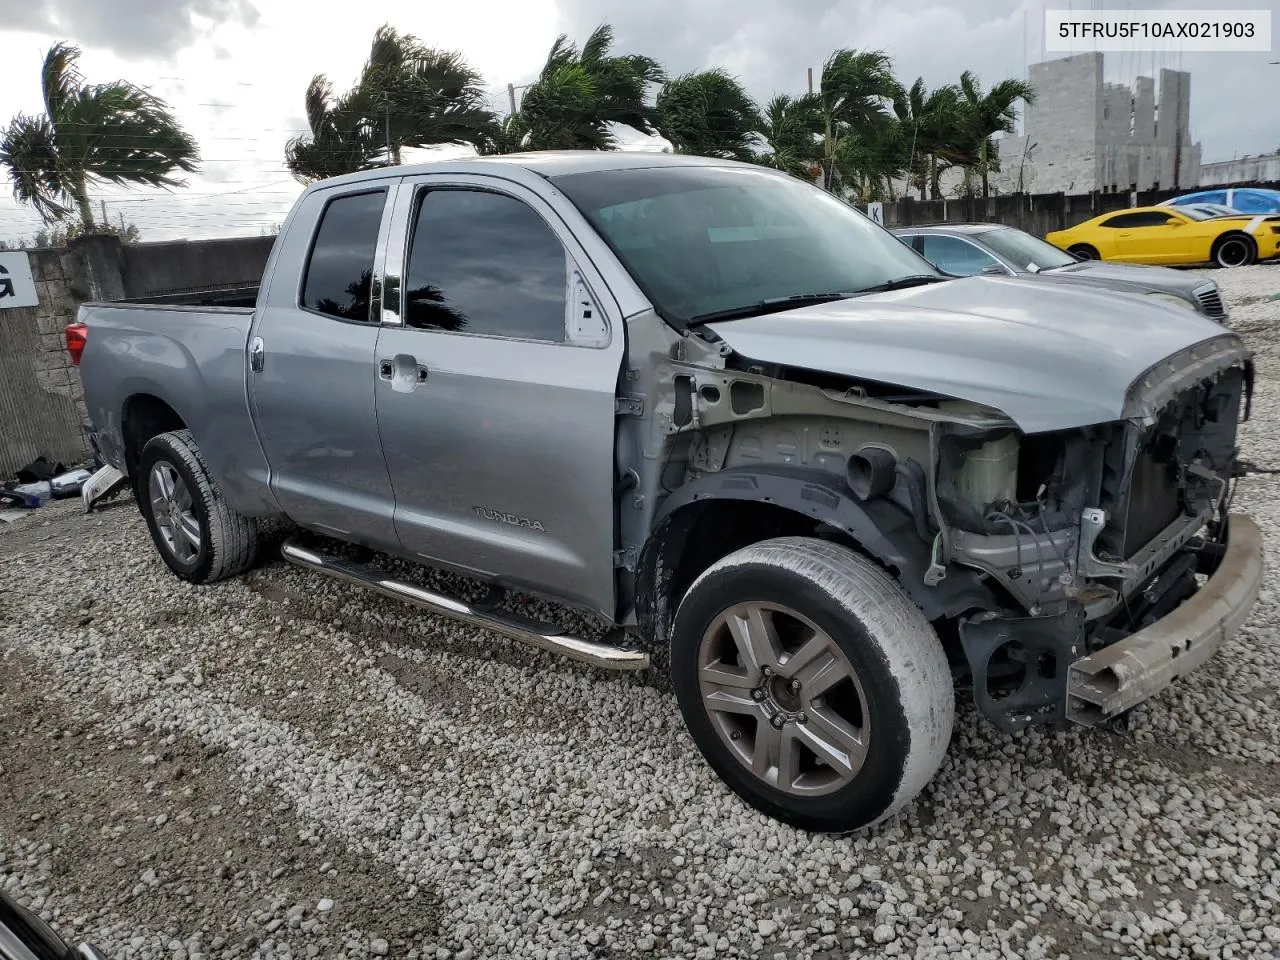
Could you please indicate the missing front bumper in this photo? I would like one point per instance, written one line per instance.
(1107, 683)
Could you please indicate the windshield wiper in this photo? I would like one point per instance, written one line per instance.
(915, 280)
(768, 305)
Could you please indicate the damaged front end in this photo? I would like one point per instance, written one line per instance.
(1097, 539)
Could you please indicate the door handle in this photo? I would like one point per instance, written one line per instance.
(257, 354)
(402, 371)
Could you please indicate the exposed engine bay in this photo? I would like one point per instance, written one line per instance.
(1043, 547)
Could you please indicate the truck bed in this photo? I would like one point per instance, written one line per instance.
(184, 358)
(242, 297)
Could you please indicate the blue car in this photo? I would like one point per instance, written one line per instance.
(1244, 199)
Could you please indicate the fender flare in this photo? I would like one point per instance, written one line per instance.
(880, 527)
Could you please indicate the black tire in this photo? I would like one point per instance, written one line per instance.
(1234, 250)
(228, 541)
(1084, 252)
(906, 685)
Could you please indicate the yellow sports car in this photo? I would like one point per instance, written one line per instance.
(1173, 236)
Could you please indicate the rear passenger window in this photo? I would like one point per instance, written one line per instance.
(339, 274)
(485, 263)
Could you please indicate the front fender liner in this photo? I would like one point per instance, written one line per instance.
(880, 527)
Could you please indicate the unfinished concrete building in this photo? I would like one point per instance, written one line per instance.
(1085, 134)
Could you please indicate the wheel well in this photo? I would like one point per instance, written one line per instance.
(145, 416)
(1230, 235)
(697, 535)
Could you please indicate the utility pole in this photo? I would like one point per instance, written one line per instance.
(511, 96)
(811, 80)
(390, 156)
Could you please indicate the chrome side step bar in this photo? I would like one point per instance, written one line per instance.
(541, 635)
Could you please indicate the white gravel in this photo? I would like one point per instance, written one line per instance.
(283, 766)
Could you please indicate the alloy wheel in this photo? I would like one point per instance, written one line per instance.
(784, 698)
(174, 513)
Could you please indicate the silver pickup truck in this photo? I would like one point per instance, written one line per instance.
(763, 440)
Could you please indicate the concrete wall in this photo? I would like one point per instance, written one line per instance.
(150, 269)
(42, 409)
(1037, 213)
(1264, 169)
(41, 402)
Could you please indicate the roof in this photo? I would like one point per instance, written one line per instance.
(549, 164)
(950, 227)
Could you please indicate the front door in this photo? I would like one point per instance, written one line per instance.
(314, 367)
(1148, 237)
(499, 361)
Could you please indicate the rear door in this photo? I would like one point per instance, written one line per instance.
(499, 361)
(314, 368)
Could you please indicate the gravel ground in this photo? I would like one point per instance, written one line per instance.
(283, 766)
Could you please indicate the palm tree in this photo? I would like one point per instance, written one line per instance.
(343, 137)
(854, 96)
(789, 127)
(932, 122)
(987, 115)
(407, 95)
(579, 94)
(709, 114)
(90, 133)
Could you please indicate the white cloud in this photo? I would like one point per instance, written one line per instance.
(243, 108)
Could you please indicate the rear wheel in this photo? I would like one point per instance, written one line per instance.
(812, 684)
(1084, 252)
(1234, 250)
(199, 536)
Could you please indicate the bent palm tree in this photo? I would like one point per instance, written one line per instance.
(853, 99)
(989, 114)
(407, 95)
(579, 94)
(343, 138)
(933, 124)
(709, 114)
(90, 133)
(789, 127)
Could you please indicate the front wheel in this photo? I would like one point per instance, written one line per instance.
(1082, 251)
(812, 684)
(199, 536)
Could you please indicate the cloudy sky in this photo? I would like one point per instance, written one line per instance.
(235, 70)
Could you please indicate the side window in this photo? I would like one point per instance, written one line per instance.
(339, 271)
(954, 255)
(1127, 221)
(1247, 201)
(1214, 196)
(485, 263)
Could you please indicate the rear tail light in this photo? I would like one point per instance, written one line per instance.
(77, 337)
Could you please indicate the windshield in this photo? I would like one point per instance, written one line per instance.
(1024, 250)
(704, 241)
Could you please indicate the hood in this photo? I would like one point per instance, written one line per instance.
(1048, 356)
(1154, 278)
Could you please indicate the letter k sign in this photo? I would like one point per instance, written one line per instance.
(17, 288)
